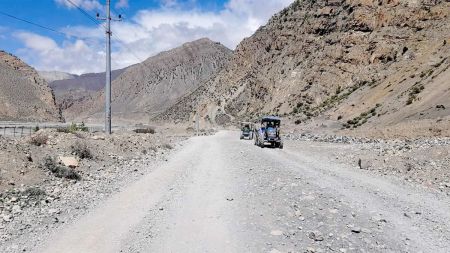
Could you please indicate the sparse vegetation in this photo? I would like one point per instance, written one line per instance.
(81, 150)
(36, 128)
(39, 140)
(413, 93)
(34, 193)
(148, 130)
(73, 128)
(167, 146)
(58, 170)
(362, 118)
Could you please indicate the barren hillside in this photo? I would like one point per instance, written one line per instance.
(76, 88)
(351, 64)
(157, 83)
(24, 95)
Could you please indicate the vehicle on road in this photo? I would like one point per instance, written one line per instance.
(246, 131)
(269, 132)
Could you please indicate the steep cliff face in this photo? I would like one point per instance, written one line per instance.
(24, 95)
(335, 59)
(157, 83)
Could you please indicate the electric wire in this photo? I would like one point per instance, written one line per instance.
(84, 12)
(118, 39)
(32, 23)
(40, 26)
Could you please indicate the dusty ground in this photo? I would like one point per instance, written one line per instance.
(220, 194)
(21, 161)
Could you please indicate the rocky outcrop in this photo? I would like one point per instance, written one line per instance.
(157, 83)
(335, 59)
(24, 95)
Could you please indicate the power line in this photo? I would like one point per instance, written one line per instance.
(40, 26)
(32, 23)
(84, 12)
(118, 39)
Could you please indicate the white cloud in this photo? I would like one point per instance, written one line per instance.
(169, 3)
(121, 4)
(75, 57)
(150, 32)
(85, 4)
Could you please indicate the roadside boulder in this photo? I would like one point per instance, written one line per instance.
(69, 161)
(98, 137)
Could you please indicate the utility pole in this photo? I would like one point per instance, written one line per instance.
(108, 66)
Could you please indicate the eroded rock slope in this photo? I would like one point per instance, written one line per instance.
(157, 83)
(357, 63)
(24, 95)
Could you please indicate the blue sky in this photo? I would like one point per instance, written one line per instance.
(149, 27)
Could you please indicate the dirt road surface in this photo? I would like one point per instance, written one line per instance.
(222, 194)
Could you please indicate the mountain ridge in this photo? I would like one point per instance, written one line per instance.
(324, 60)
(153, 85)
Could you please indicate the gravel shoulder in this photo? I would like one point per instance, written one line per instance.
(220, 194)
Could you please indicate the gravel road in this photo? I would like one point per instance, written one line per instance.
(222, 194)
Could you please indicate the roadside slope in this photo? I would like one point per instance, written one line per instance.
(24, 95)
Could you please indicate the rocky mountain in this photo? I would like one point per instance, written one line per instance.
(51, 76)
(351, 64)
(24, 95)
(157, 83)
(78, 88)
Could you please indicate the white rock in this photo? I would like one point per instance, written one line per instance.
(7, 218)
(276, 232)
(69, 161)
(98, 137)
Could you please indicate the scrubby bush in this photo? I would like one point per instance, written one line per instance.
(73, 128)
(81, 150)
(39, 140)
(60, 171)
(34, 193)
(148, 130)
(167, 146)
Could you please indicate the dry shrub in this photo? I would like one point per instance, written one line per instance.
(167, 146)
(60, 171)
(81, 150)
(34, 193)
(148, 130)
(39, 140)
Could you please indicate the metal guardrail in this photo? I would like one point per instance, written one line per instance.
(16, 131)
(21, 131)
